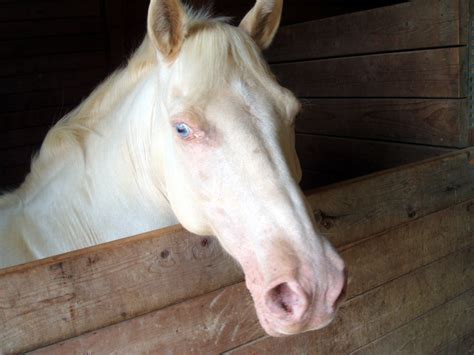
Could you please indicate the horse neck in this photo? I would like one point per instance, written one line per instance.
(103, 189)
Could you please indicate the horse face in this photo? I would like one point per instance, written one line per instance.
(231, 169)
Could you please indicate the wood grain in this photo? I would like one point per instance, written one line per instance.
(349, 158)
(461, 345)
(433, 122)
(224, 319)
(410, 25)
(371, 315)
(431, 332)
(67, 295)
(437, 73)
(351, 210)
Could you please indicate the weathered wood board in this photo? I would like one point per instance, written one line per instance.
(439, 122)
(411, 25)
(64, 296)
(223, 319)
(437, 73)
(461, 345)
(353, 209)
(431, 332)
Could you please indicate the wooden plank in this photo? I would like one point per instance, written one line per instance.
(354, 209)
(51, 45)
(346, 213)
(34, 9)
(58, 80)
(408, 247)
(41, 117)
(461, 345)
(465, 10)
(436, 73)
(429, 333)
(410, 25)
(94, 287)
(50, 27)
(350, 158)
(224, 319)
(373, 314)
(433, 122)
(52, 63)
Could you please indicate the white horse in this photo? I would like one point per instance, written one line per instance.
(194, 130)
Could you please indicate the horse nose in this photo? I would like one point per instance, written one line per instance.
(287, 302)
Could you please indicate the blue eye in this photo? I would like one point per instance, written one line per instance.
(183, 130)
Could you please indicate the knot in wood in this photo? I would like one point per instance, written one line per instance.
(411, 212)
(323, 220)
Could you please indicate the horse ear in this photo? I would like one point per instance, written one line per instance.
(166, 26)
(262, 22)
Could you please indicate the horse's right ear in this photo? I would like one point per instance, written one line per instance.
(166, 26)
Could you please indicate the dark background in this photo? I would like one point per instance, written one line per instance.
(53, 53)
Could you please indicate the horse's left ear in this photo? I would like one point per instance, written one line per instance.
(166, 26)
(262, 22)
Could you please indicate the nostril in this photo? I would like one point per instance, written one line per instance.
(284, 301)
(282, 297)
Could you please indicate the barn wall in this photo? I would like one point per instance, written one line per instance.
(380, 88)
(52, 55)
